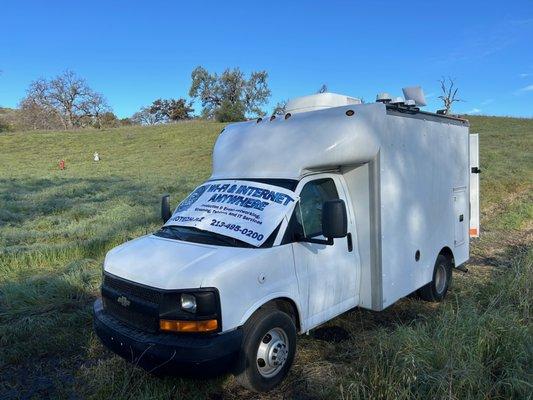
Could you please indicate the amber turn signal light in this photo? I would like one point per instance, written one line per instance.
(169, 325)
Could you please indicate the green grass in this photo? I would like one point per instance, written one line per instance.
(56, 226)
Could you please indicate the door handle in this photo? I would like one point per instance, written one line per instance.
(350, 242)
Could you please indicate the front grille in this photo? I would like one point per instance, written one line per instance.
(127, 288)
(142, 312)
(144, 322)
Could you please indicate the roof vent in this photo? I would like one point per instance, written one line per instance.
(319, 101)
(383, 98)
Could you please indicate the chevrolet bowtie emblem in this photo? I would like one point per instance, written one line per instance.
(124, 301)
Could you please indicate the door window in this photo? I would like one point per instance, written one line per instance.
(308, 212)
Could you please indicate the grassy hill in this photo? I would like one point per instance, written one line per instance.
(56, 226)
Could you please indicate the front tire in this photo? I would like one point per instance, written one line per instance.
(267, 351)
(436, 290)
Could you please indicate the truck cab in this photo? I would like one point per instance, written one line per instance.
(305, 216)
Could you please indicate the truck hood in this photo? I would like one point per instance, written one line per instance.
(165, 263)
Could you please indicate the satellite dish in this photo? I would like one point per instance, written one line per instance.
(415, 93)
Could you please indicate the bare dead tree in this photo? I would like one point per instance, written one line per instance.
(449, 93)
(67, 98)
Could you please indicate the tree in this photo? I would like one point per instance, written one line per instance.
(230, 96)
(109, 120)
(34, 115)
(230, 111)
(171, 109)
(162, 111)
(6, 119)
(126, 121)
(449, 94)
(66, 99)
(280, 108)
(144, 117)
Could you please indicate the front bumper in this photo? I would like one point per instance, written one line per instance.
(167, 352)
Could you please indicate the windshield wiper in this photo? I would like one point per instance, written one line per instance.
(221, 238)
(192, 234)
(169, 232)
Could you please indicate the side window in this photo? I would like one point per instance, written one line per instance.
(308, 212)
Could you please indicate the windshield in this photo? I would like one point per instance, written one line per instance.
(241, 213)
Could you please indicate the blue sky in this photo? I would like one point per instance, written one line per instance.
(136, 51)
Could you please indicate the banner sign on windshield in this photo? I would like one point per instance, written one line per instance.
(244, 210)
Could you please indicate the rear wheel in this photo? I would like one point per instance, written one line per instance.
(267, 350)
(442, 276)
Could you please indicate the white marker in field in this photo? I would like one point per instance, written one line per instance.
(96, 156)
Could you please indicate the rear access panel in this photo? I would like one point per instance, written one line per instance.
(474, 185)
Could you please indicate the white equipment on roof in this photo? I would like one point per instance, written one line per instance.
(319, 101)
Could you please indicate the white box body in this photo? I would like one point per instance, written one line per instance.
(404, 176)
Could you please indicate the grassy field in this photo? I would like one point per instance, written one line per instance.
(56, 226)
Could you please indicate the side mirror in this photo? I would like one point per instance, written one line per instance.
(165, 208)
(334, 219)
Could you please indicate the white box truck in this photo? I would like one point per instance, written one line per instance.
(334, 205)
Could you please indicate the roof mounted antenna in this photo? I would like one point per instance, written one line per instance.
(415, 93)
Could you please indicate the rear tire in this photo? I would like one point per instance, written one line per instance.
(442, 277)
(267, 351)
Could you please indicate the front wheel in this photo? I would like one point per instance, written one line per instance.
(267, 350)
(442, 276)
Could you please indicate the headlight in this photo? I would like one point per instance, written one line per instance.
(190, 311)
(188, 302)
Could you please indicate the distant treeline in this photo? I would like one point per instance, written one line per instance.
(67, 102)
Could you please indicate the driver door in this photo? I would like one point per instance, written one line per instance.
(328, 275)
